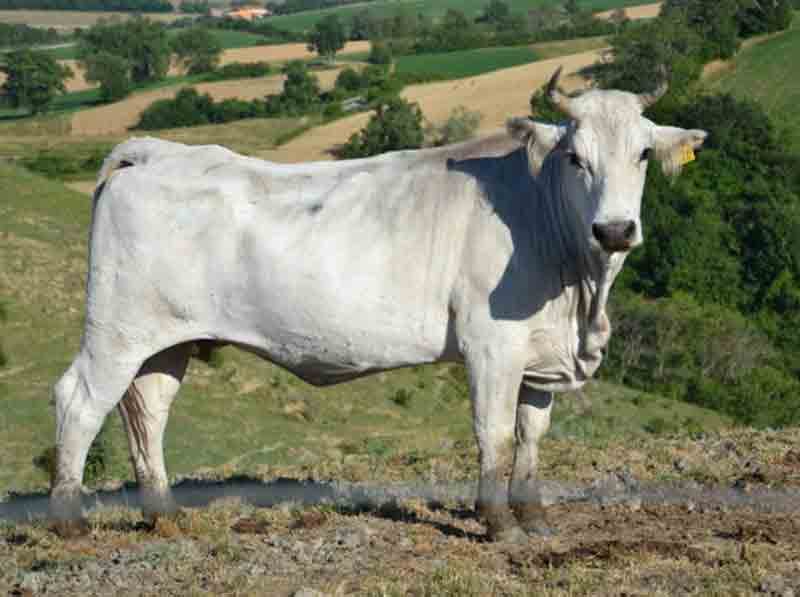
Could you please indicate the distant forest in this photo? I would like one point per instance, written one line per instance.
(96, 5)
(293, 6)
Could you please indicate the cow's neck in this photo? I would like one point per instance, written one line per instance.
(583, 271)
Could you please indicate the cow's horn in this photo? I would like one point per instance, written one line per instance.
(648, 99)
(559, 99)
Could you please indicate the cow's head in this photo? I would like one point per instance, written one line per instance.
(600, 157)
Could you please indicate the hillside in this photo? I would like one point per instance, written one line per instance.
(760, 73)
(304, 21)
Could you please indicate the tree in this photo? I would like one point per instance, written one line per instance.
(640, 53)
(111, 72)
(143, 43)
(714, 22)
(197, 50)
(301, 93)
(363, 26)
(495, 12)
(379, 53)
(397, 124)
(33, 79)
(328, 37)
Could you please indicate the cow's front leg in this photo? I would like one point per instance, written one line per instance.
(494, 394)
(533, 420)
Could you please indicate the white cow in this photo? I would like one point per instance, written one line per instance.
(499, 253)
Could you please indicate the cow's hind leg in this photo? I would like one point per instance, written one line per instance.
(533, 420)
(494, 395)
(84, 395)
(145, 410)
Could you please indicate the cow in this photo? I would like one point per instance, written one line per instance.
(498, 253)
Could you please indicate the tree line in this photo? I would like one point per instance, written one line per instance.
(13, 35)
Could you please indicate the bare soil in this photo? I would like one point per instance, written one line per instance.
(410, 548)
(71, 19)
(645, 11)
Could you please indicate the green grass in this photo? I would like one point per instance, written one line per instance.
(764, 73)
(243, 414)
(468, 63)
(433, 8)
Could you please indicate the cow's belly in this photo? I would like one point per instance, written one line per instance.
(330, 312)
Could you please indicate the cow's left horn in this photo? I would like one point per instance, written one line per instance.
(559, 99)
(648, 99)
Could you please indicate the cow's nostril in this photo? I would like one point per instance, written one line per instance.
(630, 230)
(598, 232)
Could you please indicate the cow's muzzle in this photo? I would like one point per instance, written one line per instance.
(618, 235)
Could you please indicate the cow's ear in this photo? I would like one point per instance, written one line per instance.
(674, 147)
(538, 137)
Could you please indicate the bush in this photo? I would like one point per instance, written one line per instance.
(240, 70)
(396, 125)
(67, 163)
(188, 108)
(459, 126)
(379, 53)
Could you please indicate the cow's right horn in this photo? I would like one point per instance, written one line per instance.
(555, 95)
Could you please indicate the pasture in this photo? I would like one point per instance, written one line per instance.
(760, 74)
(469, 63)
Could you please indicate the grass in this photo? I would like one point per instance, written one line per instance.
(762, 73)
(554, 49)
(468, 63)
(431, 8)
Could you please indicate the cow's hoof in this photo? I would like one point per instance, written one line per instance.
(71, 529)
(512, 535)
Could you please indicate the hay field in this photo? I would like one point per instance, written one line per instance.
(497, 95)
(72, 19)
(119, 117)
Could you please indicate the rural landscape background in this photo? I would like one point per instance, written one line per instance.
(699, 394)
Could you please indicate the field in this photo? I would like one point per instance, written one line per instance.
(760, 74)
(432, 8)
(69, 19)
(457, 65)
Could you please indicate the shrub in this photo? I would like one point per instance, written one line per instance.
(188, 108)
(459, 126)
(240, 70)
(395, 125)
(379, 53)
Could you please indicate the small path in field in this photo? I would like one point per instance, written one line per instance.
(645, 11)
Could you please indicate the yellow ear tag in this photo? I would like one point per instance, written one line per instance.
(687, 154)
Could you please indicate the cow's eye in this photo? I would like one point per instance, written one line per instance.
(576, 161)
(645, 155)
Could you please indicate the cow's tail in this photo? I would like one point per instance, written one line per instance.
(133, 152)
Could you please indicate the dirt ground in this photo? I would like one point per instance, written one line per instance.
(410, 548)
(645, 11)
(119, 116)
